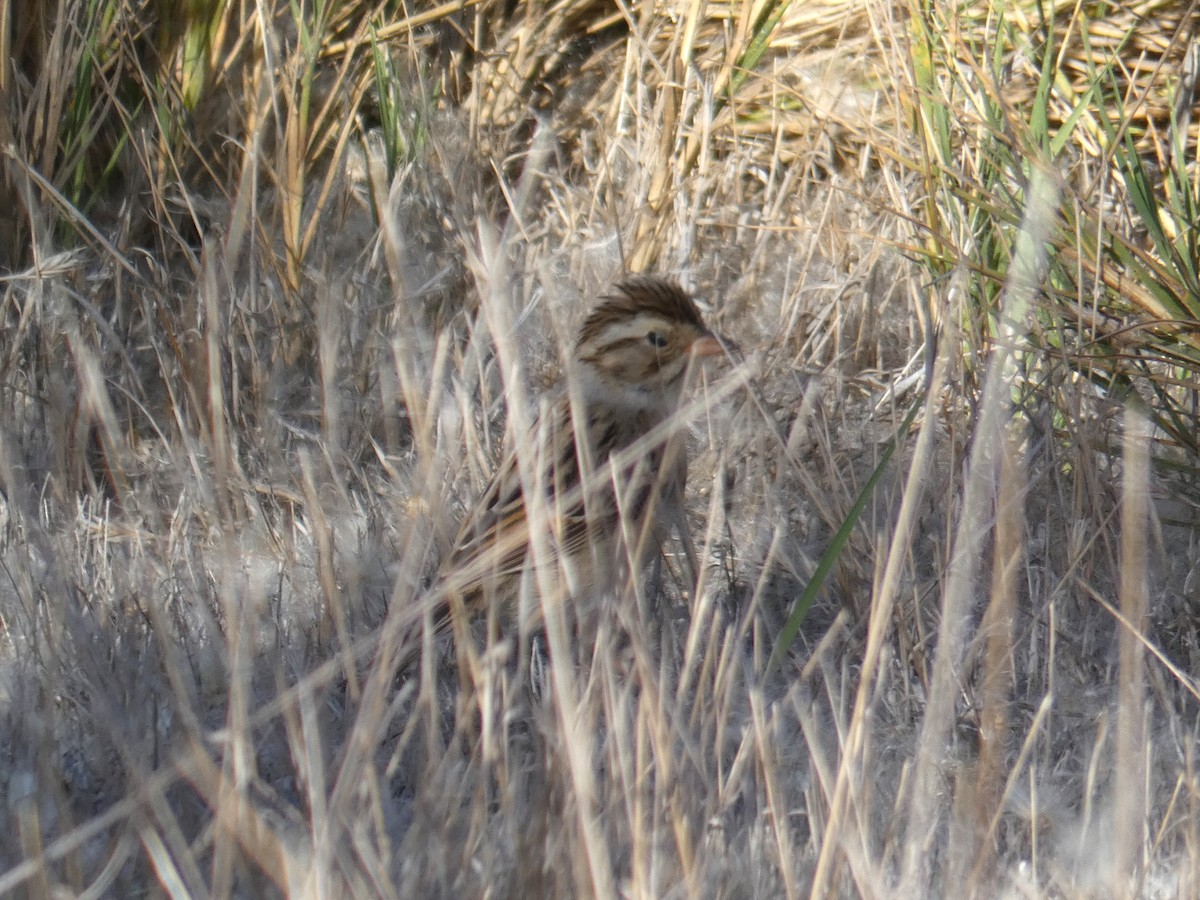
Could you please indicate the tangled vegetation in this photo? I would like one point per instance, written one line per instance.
(259, 267)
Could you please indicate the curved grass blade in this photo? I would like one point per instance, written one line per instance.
(805, 601)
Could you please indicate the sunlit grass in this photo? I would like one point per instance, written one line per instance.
(280, 283)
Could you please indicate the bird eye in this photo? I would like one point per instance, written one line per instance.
(656, 340)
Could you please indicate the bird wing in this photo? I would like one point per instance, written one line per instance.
(580, 510)
(493, 543)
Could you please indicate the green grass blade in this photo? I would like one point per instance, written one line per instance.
(805, 601)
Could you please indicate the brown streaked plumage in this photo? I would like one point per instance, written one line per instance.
(608, 472)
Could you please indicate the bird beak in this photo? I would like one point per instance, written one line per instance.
(707, 345)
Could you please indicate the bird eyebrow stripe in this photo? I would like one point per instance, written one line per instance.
(618, 344)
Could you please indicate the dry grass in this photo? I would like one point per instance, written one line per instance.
(277, 291)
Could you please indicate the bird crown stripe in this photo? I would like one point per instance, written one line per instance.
(641, 295)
